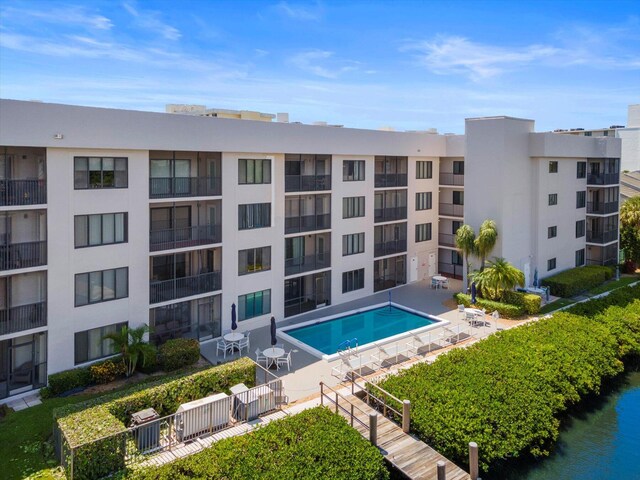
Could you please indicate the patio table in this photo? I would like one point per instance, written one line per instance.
(272, 354)
(233, 338)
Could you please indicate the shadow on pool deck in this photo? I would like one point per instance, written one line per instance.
(307, 371)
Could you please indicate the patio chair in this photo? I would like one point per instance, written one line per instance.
(434, 283)
(416, 343)
(243, 343)
(386, 352)
(260, 357)
(461, 311)
(445, 284)
(223, 346)
(286, 360)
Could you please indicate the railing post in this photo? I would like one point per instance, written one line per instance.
(71, 464)
(351, 414)
(442, 470)
(336, 402)
(373, 429)
(406, 416)
(473, 460)
(321, 394)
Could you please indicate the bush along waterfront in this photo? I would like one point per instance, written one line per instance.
(509, 391)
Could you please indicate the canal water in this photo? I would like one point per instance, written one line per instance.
(601, 442)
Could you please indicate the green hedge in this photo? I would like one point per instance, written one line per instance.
(178, 353)
(504, 309)
(619, 297)
(507, 392)
(68, 380)
(576, 280)
(314, 444)
(529, 302)
(109, 415)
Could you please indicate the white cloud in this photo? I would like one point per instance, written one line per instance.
(61, 14)
(300, 12)
(322, 64)
(150, 20)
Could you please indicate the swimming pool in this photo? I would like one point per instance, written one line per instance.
(379, 322)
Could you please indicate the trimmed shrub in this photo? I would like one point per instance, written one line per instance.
(178, 353)
(106, 372)
(621, 296)
(68, 380)
(151, 363)
(528, 302)
(504, 309)
(576, 280)
(302, 446)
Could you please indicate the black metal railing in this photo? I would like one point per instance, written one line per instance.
(23, 317)
(23, 255)
(384, 180)
(171, 187)
(602, 208)
(307, 263)
(23, 192)
(451, 270)
(296, 306)
(307, 223)
(447, 239)
(388, 281)
(455, 179)
(451, 209)
(390, 247)
(307, 183)
(606, 261)
(390, 214)
(602, 237)
(184, 237)
(603, 179)
(165, 290)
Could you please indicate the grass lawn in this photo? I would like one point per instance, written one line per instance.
(550, 307)
(605, 287)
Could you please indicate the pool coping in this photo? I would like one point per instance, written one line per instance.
(438, 322)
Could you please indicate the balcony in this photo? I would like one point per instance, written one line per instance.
(22, 192)
(453, 179)
(450, 270)
(176, 187)
(602, 208)
(303, 294)
(387, 180)
(447, 239)
(307, 223)
(390, 214)
(602, 237)
(451, 210)
(165, 290)
(23, 255)
(307, 183)
(603, 178)
(307, 263)
(23, 317)
(184, 237)
(389, 248)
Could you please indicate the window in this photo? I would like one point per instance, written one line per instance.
(423, 201)
(91, 344)
(458, 197)
(551, 264)
(352, 244)
(353, 170)
(254, 304)
(253, 171)
(353, 280)
(587, 134)
(100, 229)
(101, 286)
(580, 228)
(581, 170)
(458, 167)
(455, 226)
(424, 169)
(254, 260)
(352, 207)
(605, 133)
(580, 257)
(456, 258)
(99, 172)
(553, 199)
(552, 232)
(423, 232)
(553, 166)
(254, 215)
(581, 199)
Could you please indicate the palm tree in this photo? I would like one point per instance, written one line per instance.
(131, 345)
(630, 232)
(486, 240)
(465, 241)
(498, 277)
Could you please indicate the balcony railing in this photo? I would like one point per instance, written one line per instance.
(606, 261)
(307, 223)
(450, 270)
(602, 208)
(455, 179)
(23, 317)
(447, 239)
(451, 209)
(602, 237)
(384, 180)
(389, 248)
(307, 183)
(23, 192)
(23, 255)
(171, 187)
(184, 237)
(296, 306)
(390, 214)
(307, 263)
(388, 281)
(603, 179)
(165, 290)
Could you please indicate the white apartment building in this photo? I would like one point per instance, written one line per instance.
(112, 217)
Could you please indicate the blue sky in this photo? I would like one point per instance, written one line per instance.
(406, 64)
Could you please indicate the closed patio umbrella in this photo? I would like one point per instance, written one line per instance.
(473, 293)
(535, 278)
(234, 324)
(274, 340)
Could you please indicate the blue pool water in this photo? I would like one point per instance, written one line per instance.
(367, 327)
